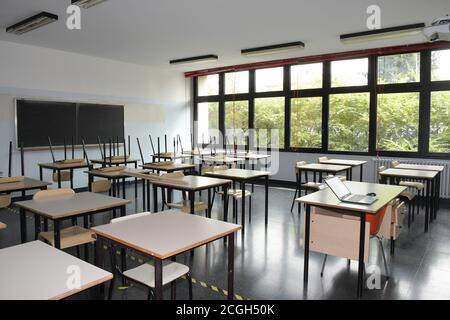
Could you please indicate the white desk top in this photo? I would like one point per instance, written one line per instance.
(72, 205)
(344, 162)
(404, 173)
(420, 167)
(37, 271)
(326, 198)
(323, 167)
(166, 234)
(221, 159)
(239, 174)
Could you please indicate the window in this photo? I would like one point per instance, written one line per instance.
(349, 122)
(269, 79)
(400, 68)
(440, 122)
(236, 121)
(306, 76)
(208, 85)
(347, 73)
(269, 121)
(398, 122)
(236, 82)
(440, 62)
(208, 121)
(306, 122)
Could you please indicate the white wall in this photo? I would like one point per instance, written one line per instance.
(157, 101)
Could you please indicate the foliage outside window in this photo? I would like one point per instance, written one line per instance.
(208, 122)
(349, 122)
(236, 82)
(269, 121)
(398, 122)
(400, 68)
(208, 85)
(347, 73)
(440, 65)
(306, 76)
(306, 122)
(270, 79)
(440, 122)
(236, 121)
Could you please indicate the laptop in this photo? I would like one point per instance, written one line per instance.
(344, 194)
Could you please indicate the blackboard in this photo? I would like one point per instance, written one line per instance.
(38, 120)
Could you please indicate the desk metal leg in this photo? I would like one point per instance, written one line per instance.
(306, 254)
(266, 199)
(37, 226)
(57, 233)
(155, 198)
(41, 174)
(209, 203)
(144, 193)
(243, 206)
(124, 192)
(361, 173)
(362, 240)
(158, 279)
(23, 225)
(225, 203)
(135, 183)
(98, 261)
(427, 205)
(71, 178)
(59, 178)
(148, 196)
(231, 266)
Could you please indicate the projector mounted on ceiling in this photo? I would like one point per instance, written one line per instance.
(34, 22)
(439, 30)
(85, 4)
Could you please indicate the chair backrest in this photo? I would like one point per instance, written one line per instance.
(173, 175)
(220, 168)
(56, 193)
(206, 169)
(133, 216)
(63, 176)
(323, 159)
(101, 186)
(395, 163)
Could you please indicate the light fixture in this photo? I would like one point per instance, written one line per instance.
(199, 59)
(85, 4)
(385, 33)
(34, 22)
(276, 48)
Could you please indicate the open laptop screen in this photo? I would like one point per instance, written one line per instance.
(338, 187)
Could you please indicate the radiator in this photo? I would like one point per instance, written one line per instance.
(445, 175)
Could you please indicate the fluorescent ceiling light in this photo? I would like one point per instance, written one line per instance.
(199, 59)
(85, 4)
(34, 22)
(277, 48)
(386, 33)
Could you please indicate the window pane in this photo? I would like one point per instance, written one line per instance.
(440, 62)
(400, 68)
(349, 122)
(307, 76)
(398, 121)
(236, 82)
(348, 73)
(208, 85)
(236, 121)
(269, 79)
(440, 122)
(306, 122)
(208, 121)
(269, 121)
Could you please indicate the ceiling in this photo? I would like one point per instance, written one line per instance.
(154, 32)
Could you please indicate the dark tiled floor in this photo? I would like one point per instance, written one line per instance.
(269, 261)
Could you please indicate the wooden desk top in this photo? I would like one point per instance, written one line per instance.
(420, 167)
(344, 162)
(323, 167)
(2, 226)
(62, 166)
(71, 205)
(326, 198)
(168, 167)
(237, 174)
(114, 162)
(191, 183)
(166, 234)
(26, 184)
(37, 271)
(112, 174)
(404, 173)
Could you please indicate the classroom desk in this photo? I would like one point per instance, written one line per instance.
(81, 204)
(326, 199)
(169, 168)
(167, 234)
(394, 175)
(352, 163)
(37, 271)
(320, 169)
(243, 176)
(23, 186)
(59, 166)
(252, 158)
(170, 156)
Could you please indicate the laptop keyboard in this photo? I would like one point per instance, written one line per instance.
(356, 197)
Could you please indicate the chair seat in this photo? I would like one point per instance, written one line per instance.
(312, 185)
(236, 193)
(185, 206)
(145, 273)
(70, 237)
(407, 195)
(412, 184)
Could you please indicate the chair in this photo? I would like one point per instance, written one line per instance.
(184, 205)
(321, 159)
(375, 221)
(5, 200)
(73, 236)
(64, 176)
(145, 273)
